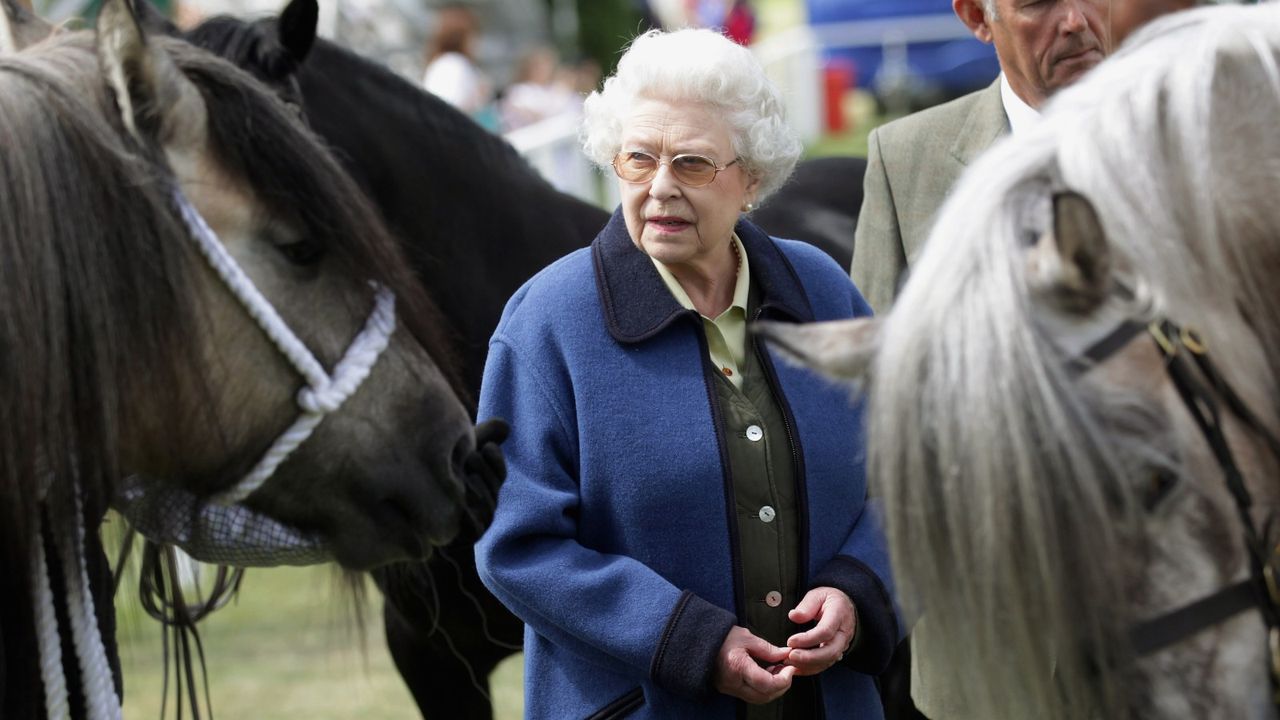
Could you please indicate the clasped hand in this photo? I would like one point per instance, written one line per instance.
(753, 669)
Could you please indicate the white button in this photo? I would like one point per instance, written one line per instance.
(754, 433)
(767, 514)
(773, 598)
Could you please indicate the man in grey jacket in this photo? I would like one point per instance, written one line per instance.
(1042, 46)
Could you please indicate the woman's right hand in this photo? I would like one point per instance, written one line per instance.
(751, 669)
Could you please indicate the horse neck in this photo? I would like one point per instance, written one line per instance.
(474, 217)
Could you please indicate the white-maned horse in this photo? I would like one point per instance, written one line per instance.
(1056, 482)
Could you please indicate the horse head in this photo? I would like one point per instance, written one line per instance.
(1083, 352)
(380, 476)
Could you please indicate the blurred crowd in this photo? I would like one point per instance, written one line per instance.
(544, 85)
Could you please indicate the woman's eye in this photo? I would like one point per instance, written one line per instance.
(302, 252)
(694, 162)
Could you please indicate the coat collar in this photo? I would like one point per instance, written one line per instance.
(984, 125)
(638, 306)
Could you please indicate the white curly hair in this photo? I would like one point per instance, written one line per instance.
(701, 66)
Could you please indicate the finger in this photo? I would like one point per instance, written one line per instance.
(767, 686)
(822, 633)
(762, 650)
(818, 657)
(835, 618)
(808, 608)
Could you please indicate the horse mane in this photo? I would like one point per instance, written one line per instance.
(92, 306)
(992, 462)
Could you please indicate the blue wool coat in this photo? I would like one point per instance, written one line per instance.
(615, 532)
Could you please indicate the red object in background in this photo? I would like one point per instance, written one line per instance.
(837, 78)
(740, 23)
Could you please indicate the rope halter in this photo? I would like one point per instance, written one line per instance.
(323, 393)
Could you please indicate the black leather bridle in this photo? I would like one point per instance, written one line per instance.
(1205, 393)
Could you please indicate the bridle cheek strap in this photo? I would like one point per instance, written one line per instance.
(1260, 590)
(324, 393)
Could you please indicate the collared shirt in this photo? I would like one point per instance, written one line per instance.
(726, 334)
(1022, 117)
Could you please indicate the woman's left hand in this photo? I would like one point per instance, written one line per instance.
(822, 646)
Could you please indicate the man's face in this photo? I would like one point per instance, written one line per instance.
(1045, 45)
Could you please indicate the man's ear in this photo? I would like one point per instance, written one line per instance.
(974, 17)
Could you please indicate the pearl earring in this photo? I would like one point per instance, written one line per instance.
(748, 207)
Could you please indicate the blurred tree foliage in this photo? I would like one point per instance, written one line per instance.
(606, 26)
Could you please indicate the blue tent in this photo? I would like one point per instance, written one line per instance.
(892, 43)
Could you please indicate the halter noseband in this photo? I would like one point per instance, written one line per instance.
(1261, 589)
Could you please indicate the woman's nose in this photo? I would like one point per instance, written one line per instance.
(663, 184)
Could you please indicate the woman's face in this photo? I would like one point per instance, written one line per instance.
(669, 221)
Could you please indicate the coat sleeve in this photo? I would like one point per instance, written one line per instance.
(609, 609)
(878, 257)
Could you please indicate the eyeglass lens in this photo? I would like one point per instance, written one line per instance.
(692, 170)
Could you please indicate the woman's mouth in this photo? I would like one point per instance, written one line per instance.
(667, 224)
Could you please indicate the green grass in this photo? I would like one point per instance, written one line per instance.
(288, 648)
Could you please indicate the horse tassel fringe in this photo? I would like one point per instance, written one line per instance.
(101, 701)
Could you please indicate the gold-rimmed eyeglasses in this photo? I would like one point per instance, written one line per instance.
(634, 166)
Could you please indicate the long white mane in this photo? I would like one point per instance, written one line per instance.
(992, 463)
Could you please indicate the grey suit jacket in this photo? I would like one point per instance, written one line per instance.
(911, 165)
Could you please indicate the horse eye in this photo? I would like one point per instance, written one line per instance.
(1160, 485)
(302, 252)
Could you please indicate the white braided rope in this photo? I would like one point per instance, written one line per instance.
(49, 642)
(324, 393)
(98, 683)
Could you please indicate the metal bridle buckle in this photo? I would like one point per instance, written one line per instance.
(1274, 645)
(1269, 573)
(1157, 334)
(1191, 340)
(1273, 634)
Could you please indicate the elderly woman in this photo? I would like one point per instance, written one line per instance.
(684, 526)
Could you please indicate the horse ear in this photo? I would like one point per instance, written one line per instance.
(1070, 266)
(19, 27)
(157, 103)
(297, 28)
(154, 22)
(841, 349)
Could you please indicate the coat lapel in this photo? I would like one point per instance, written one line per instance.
(637, 305)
